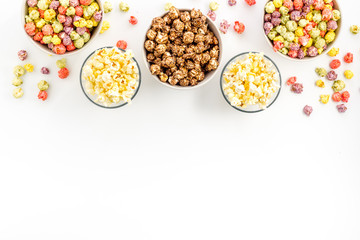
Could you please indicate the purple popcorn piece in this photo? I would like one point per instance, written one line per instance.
(301, 54)
(308, 2)
(212, 15)
(295, 15)
(308, 110)
(74, 3)
(61, 35)
(331, 76)
(276, 14)
(294, 46)
(297, 88)
(32, 3)
(268, 27)
(276, 22)
(68, 30)
(81, 30)
(332, 25)
(224, 26)
(45, 70)
(97, 16)
(232, 2)
(341, 108)
(51, 46)
(305, 10)
(68, 21)
(67, 40)
(312, 51)
(54, 5)
(267, 17)
(22, 54)
(76, 18)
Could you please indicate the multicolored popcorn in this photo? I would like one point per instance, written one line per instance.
(336, 97)
(341, 108)
(43, 85)
(338, 86)
(107, 7)
(250, 2)
(324, 99)
(17, 81)
(297, 88)
(355, 29)
(239, 27)
(334, 64)
(22, 54)
(61, 63)
(19, 71)
(18, 92)
(232, 2)
(53, 22)
(133, 20)
(121, 44)
(321, 72)
(349, 58)
(320, 83)
(63, 73)
(214, 6)
(310, 23)
(124, 7)
(333, 52)
(212, 15)
(308, 110)
(331, 75)
(29, 67)
(345, 96)
(42, 95)
(224, 26)
(348, 74)
(105, 26)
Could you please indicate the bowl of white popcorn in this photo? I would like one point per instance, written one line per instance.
(110, 77)
(250, 82)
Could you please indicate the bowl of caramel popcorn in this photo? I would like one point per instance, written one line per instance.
(183, 48)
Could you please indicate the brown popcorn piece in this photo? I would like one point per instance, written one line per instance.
(155, 69)
(181, 48)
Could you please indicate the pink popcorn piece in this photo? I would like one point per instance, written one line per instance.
(297, 88)
(74, 3)
(54, 5)
(331, 75)
(22, 54)
(232, 2)
(32, 3)
(224, 26)
(81, 30)
(341, 108)
(97, 16)
(212, 15)
(308, 110)
(45, 70)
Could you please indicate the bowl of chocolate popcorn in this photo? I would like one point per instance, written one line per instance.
(62, 27)
(301, 29)
(182, 48)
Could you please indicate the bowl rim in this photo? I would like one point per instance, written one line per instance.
(230, 61)
(48, 51)
(307, 58)
(216, 32)
(84, 91)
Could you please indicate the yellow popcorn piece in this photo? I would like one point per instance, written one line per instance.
(278, 3)
(49, 14)
(111, 76)
(95, 6)
(56, 40)
(333, 52)
(330, 37)
(250, 80)
(29, 67)
(320, 83)
(348, 74)
(105, 26)
(299, 32)
(324, 99)
(214, 6)
(310, 43)
(168, 6)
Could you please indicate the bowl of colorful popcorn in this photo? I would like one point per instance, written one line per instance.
(301, 29)
(62, 26)
(250, 82)
(110, 77)
(182, 49)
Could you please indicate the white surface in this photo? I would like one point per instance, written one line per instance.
(176, 165)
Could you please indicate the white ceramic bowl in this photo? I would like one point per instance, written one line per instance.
(208, 76)
(47, 50)
(338, 30)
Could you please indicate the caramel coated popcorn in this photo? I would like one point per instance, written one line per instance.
(181, 49)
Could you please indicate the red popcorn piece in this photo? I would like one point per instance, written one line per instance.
(298, 4)
(335, 64)
(62, 10)
(38, 36)
(85, 2)
(30, 28)
(336, 97)
(59, 49)
(278, 45)
(250, 2)
(327, 14)
(319, 4)
(304, 40)
(293, 53)
(42, 95)
(349, 58)
(79, 11)
(121, 44)
(61, 18)
(42, 13)
(47, 30)
(63, 73)
(345, 96)
(70, 47)
(239, 27)
(133, 20)
(291, 81)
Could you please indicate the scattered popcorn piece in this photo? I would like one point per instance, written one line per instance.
(107, 7)
(45, 70)
(133, 20)
(19, 71)
(334, 64)
(239, 27)
(345, 96)
(349, 58)
(29, 67)
(355, 29)
(224, 26)
(331, 75)
(105, 26)
(124, 7)
(111, 76)
(250, 80)
(214, 6)
(320, 83)
(341, 108)
(43, 85)
(291, 81)
(348, 74)
(63, 73)
(18, 92)
(338, 85)
(334, 52)
(212, 15)
(22, 54)
(121, 44)
(61, 63)
(250, 2)
(308, 110)
(232, 2)
(17, 81)
(297, 88)
(324, 99)
(321, 72)
(42, 95)
(336, 97)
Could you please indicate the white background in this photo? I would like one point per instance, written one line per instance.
(176, 164)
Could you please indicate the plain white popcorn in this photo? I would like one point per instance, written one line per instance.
(111, 75)
(250, 80)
